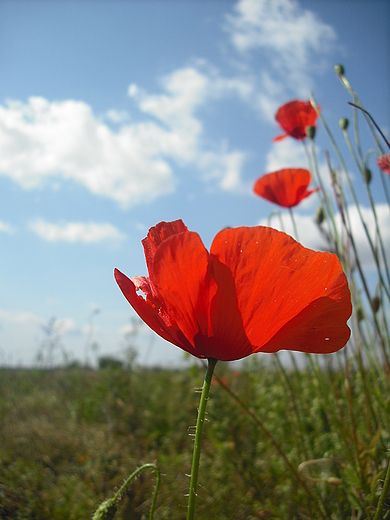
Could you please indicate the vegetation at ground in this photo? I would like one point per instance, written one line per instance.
(69, 438)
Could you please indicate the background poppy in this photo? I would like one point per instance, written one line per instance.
(294, 117)
(383, 162)
(286, 187)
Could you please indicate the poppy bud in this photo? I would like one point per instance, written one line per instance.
(343, 123)
(106, 510)
(367, 175)
(375, 304)
(310, 131)
(319, 216)
(339, 70)
(359, 314)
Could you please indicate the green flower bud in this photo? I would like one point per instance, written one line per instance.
(339, 70)
(343, 123)
(310, 131)
(106, 510)
(375, 304)
(359, 314)
(319, 216)
(367, 176)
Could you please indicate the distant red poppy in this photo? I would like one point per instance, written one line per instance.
(294, 117)
(257, 290)
(287, 187)
(384, 163)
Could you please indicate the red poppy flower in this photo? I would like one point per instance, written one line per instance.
(384, 163)
(257, 290)
(287, 187)
(294, 117)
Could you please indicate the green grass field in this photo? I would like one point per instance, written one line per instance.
(69, 438)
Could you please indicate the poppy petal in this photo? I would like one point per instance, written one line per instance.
(181, 277)
(314, 329)
(149, 312)
(273, 287)
(156, 235)
(199, 293)
(286, 187)
(279, 138)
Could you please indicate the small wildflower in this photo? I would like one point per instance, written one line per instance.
(384, 163)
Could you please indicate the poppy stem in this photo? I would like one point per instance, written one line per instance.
(384, 495)
(198, 438)
(293, 223)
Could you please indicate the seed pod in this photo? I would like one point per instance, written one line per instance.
(367, 175)
(310, 131)
(375, 304)
(343, 123)
(339, 70)
(319, 216)
(359, 314)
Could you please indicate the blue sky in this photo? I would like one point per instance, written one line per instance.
(117, 115)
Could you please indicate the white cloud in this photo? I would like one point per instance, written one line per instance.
(291, 33)
(225, 167)
(285, 153)
(6, 228)
(135, 163)
(43, 140)
(90, 232)
(293, 41)
(117, 116)
(310, 236)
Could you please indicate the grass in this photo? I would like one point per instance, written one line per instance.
(69, 438)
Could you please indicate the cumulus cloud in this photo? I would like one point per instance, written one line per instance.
(284, 153)
(309, 235)
(293, 41)
(43, 140)
(184, 91)
(136, 161)
(90, 232)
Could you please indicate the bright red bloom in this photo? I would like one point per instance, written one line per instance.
(384, 163)
(294, 117)
(257, 290)
(287, 187)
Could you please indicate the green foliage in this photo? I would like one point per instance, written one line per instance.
(69, 438)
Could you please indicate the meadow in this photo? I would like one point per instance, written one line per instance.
(283, 440)
(69, 438)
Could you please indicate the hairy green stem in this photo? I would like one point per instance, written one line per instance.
(107, 510)
(384, 495)
(198, 438)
